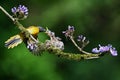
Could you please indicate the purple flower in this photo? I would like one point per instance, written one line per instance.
(20, 12)
(103, 49)
(82, 41)
(71, 28)
(23, 9)
(95, 50)
(14, 10)
(32, 46)
(81, 37)
(69, 32)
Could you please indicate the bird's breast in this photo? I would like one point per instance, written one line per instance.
(33, 30)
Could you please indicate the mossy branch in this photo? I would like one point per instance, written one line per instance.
(71, 56)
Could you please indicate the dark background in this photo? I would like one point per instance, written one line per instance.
(98, 20)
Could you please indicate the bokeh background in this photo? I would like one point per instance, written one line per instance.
(98, 20)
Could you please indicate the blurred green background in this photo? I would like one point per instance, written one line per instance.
(98, 20)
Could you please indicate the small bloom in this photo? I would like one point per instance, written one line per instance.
(104, 48)
(80, 37)
(82, 41)
(32, 46)
(14, 10)
(23, 9)
(71, 28)
(69, 32)
(113, 51)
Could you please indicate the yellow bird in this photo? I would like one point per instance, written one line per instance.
(19, 38)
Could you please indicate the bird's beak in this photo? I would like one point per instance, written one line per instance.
(41, 29)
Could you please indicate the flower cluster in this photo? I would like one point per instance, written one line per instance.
(33, 47)
(103, 49)
(54, 41)
(20, 12)
(69, 32)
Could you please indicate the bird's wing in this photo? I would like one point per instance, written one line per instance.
(13, 41)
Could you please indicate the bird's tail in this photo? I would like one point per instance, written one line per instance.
(13, 41)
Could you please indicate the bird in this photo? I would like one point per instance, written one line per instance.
(19, 38)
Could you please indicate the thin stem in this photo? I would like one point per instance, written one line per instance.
(71, 38)
(80, 49)
(34, 38)
(7, 13)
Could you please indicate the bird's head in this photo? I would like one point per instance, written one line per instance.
(41, 29)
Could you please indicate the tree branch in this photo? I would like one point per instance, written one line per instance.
(71, 56)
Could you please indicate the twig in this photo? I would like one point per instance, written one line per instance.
(34, 38)
(7, 13)
(80, 49)
(19, 25)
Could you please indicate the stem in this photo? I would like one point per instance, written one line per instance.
(80, 49)
(7, 13)
(34, 39)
